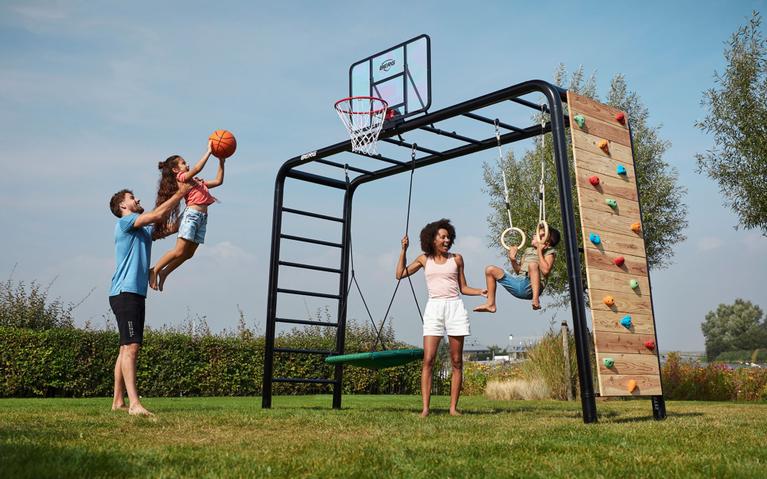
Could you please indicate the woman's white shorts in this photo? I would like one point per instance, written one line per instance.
(445, 316)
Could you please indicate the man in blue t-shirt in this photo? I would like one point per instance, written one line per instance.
(133, 249)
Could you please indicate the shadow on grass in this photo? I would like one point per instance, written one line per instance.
(649, 417)
(39, 461)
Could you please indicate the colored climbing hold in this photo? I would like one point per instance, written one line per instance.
(604, 146)
(620, 118)
(594, 238)
(608, 362)
(594, 180)
(580, 120)
(631, 385)
(619, 261)
(612, 203)
(608, 300)
(626, 322)
(636, 227)
(634, 284)
(649, 344)
(621, 170)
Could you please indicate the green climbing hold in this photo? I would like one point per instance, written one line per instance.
(611, 202)
(609, 362)
(634, 284)
(580, 120)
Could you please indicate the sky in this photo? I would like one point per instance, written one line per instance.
(94, 95)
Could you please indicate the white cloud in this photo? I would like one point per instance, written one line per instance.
(709, 243)
(226, 250)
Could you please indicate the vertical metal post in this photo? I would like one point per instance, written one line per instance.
(570, 236)
(566, 354)
(271, 308)
(343, 290)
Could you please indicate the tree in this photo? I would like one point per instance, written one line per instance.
(734, 327)
(737, 118)
(663, 211)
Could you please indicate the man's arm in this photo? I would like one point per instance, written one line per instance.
(158, 213)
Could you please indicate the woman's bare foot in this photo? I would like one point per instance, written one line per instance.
(152, 278)
(454, 412)
(536, 305)
(119, 407)
(139, 410)
(485, 308)
(424, 413)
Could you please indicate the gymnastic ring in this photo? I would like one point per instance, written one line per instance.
(545, 232)
(508, 230)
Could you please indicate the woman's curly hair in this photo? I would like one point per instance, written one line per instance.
(429, 232)
(165, 189)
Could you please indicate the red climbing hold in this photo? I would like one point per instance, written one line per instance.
(620, 118)
(619, 261)
(649, 344)
(594, 180)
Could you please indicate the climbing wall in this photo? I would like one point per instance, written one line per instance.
(614, 249)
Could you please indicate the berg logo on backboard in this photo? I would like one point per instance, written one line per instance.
(386, 65)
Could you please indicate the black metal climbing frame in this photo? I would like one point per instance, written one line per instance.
(392, 134)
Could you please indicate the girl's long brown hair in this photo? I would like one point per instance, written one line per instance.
(166, 188)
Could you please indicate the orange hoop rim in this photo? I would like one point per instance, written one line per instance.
(349, 111)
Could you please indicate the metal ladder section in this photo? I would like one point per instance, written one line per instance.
(276, 262)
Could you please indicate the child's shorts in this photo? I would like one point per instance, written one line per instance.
(517, 284)
(193, 225)
(445, 316)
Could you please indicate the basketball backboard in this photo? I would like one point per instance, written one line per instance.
(400, 75)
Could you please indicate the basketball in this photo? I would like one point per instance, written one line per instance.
(224, 143)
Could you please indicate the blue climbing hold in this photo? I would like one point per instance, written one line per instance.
(621, 170)
(626, 322)
(594, 238)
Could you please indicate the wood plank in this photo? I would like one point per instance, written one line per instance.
(603, 130)
(589, 144)
(599, 259)
(614, 243)
(610, 322)
(595, 200)
(629, 364)
(612, 281)
(604, 165)
(624, 302)
(614, 224)
(617, 385)
(627, 343)
(611, 185)
(594, 108)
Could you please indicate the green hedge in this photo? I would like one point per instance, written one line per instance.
(69, 362)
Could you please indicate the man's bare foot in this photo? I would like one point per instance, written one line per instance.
(536, 305)
(152, 278)
(424, 413)
(161, 280)
(485, 308)
(117, 407)
(139, 410)
(454, 412)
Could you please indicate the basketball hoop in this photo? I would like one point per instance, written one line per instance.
(363, 117)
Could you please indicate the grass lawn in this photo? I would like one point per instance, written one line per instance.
(379, 436)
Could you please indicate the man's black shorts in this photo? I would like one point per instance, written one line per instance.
(130, 310)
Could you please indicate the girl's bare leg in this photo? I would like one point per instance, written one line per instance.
(492, 275)
(430, 346)
(456, 359)
(535, 283)
(167, 258)
(187, 249)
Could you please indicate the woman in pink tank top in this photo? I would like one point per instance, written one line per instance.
(445, 312)
(191, 225)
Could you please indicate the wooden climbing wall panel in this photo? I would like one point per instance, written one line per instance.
(614, 250)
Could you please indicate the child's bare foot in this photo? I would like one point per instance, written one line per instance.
(152, 278)
(536, 305)
(139, 410)
(454, 412)
(161, 280)
(485, 308)
(424, 413)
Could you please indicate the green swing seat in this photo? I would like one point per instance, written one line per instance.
(377, 359)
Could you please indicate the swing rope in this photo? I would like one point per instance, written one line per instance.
(542, 185)
(511, 227)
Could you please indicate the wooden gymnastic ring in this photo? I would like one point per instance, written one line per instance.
(545, 232)
(508, 230)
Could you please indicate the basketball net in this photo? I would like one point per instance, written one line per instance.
(363, 117)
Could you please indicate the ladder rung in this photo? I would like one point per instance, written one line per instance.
(303, 351)
(311, 240)
(313, 215)
(304, 380)
(309, 266)
(308, 293)
(306, 321)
